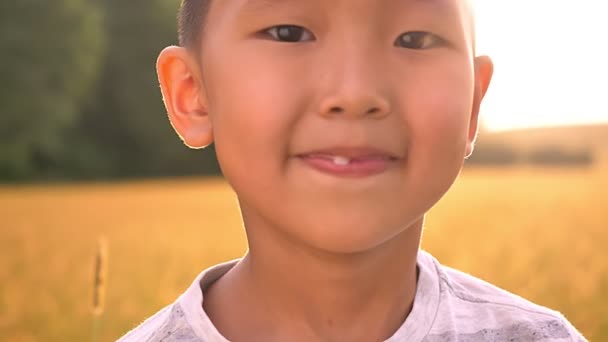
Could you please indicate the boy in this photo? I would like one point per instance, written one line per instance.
(339, 124)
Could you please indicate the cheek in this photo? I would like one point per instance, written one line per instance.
(438, 116)
(252, 91)
(253, 106)
(440, 113)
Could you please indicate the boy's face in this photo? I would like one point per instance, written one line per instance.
(390, 83)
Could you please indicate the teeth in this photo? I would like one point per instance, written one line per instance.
(342, 161)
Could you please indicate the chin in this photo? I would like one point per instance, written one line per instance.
(350, 236)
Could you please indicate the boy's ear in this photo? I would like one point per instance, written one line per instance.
(484, 69)
(183, 95)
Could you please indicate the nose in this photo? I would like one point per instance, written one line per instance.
(354, 89)
(355, 105)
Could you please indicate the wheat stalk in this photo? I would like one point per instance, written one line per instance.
(99, 284)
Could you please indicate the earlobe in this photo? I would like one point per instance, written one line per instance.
(484, 69)
(182, 94)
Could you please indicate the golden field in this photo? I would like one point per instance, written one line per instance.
(539, 233)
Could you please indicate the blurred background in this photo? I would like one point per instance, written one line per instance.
(105, 216)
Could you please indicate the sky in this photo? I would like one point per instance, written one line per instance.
(550, 59)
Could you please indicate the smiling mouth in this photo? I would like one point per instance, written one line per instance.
(349, 166)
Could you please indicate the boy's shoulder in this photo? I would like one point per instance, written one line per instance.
(471, 309)
(184, 320)
(169, 324)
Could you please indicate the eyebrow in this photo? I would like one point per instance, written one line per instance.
(442, 6)
(261, 6)
(264, 5)
(435, 4)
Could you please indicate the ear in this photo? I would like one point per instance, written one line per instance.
(484, 69)
(183, 95)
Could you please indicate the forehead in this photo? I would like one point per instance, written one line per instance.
(453, 19)
(452, 12)
(441, 7)
(270, 4)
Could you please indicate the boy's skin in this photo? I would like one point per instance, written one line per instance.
(332, 257)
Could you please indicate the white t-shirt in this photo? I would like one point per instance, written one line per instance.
(449, 306)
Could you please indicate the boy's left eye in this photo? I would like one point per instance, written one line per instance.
(418, 40)
(290, 33)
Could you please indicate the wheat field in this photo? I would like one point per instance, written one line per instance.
(539, 233)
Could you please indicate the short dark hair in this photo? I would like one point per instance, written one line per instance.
(191, 20)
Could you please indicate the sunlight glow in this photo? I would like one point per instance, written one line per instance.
(551, 62)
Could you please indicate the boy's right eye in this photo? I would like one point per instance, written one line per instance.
(290, 33)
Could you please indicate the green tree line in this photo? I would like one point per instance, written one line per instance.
(80, 96)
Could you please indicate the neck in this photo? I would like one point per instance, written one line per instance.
(301, 292)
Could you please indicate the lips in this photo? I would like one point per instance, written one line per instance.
(345, 160)
(353, 153)
(349, 162)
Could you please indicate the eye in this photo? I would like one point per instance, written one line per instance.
(290, 33)
(418, 40)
